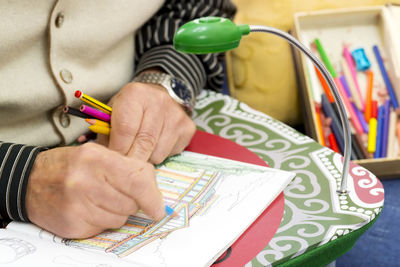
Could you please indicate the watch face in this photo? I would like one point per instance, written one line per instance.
(181, 90)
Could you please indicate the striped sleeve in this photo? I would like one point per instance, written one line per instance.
(154, 43)
(16, 162)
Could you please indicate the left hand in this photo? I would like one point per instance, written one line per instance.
(147, 124)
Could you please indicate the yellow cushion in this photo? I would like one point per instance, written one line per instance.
(261, 71)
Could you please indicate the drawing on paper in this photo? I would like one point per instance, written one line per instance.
(11, 249)
(187, 184)
(70, 261)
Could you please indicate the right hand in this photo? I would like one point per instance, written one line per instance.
(77, 192)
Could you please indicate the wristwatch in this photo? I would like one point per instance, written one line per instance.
(178, 89)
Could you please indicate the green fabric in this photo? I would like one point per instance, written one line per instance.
(325, 254)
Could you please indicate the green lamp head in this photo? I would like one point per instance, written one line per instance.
(209, 35)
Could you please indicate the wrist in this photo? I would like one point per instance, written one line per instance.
(179, 90)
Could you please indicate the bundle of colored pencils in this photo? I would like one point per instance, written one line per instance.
(98, 114)
(374, 120)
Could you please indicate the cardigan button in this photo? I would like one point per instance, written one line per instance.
(64, 120)
(59, 19)
(66, 76)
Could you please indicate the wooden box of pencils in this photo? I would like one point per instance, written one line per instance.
(361, 49)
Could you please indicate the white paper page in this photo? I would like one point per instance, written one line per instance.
(20, 249)
(241, 199)
(218, 200)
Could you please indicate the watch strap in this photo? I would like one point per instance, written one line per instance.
(164, 80)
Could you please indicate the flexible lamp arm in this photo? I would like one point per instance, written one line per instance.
(343, 116)
(213, 34)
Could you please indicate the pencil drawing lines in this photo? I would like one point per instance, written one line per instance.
(12, 249)
(69, 261)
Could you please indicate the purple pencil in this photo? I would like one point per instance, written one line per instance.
(95, 113)
(386, 119)
(361, 118)
(345, 85)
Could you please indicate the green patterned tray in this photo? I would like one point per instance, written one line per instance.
(314, 214)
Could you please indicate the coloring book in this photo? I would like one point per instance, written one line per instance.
(217, 200)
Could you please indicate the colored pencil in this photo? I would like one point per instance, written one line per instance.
(93, 102)
(350, 66)
(355, 94)
(368, 99)
(345, 86)
(378, 147)
(392, 135)
(356, 149)
(325, 58)
(325, 85)
(373, 124)
(100, 129)
(170, 211)
(332, 143)
(76, 112)
(97, 122)
(385, 132)
(353, 116)
(361, 118)
(95, 113)
(319, 125)
(359, 146)
(335, 124)
(384, 73)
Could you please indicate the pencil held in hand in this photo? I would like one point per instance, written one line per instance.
(95, 113)
(100, 129)
(93, 102)
(97, 122)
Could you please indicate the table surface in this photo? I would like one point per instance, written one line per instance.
(314, 213)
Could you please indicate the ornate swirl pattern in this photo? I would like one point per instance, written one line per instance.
(314, 213)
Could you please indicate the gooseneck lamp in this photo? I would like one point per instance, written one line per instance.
(213, 34)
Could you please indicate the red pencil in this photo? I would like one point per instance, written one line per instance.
(332, 143)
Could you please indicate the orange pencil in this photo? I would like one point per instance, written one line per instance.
(319, 125)
(368, 99)
(98, 122)
(324, 86)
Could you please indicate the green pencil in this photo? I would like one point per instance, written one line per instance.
(325, 58)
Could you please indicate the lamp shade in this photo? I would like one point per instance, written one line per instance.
(209, 35)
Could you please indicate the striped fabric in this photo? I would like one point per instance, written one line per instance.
(153, 49)
(16, 162)
(154, 43)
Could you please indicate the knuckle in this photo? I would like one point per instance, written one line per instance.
(124, 128)
(146, 141)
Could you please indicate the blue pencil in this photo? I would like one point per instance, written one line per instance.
(389, 86)
(335, 125)
(385, 133)
(170, 211)
(378, 147)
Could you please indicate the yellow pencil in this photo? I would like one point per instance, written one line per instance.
(93, 102)
(98, 122)
(100, 129)
(372, 134)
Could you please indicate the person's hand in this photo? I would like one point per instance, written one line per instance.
(77, 192)
(147, 124)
